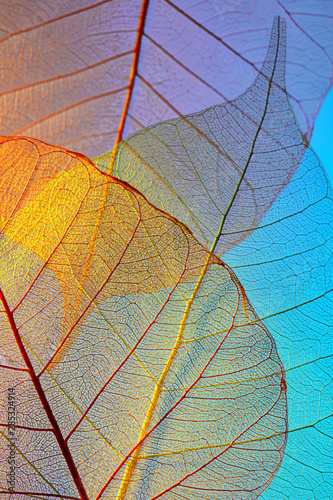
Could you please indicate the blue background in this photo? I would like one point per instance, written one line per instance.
(322, 139)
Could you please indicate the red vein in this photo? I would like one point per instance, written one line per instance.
(27, 428)
(66, 75)
(13, 368)
(56, 429)
(134, 71)
(69, 14)
(99, 96)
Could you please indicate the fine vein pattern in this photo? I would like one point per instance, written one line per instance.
(140, 368)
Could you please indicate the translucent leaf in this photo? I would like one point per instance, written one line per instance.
(135, 362)
(286, 268)
(219, 170)
(84, 74)
(241, 178)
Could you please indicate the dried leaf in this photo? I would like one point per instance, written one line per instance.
(137, 365)
(220, 170)
(84, 75)
(235, 175)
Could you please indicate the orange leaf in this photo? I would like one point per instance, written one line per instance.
(136, 365)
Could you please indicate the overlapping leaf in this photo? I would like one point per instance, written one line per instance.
(140, 369)
(286, 268)
(84, 74)
(70, 77)
(221, 170)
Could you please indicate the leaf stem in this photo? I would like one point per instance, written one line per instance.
(135, 457)
(38, 387)
(133, 74)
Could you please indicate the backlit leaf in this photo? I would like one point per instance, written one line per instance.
(220, 170)
(85, 74)
(139, 368)
(240, 177)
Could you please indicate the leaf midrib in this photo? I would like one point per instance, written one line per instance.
(54, 424)
(135, 457)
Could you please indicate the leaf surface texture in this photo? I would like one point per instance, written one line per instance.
(86, 74)
(241, 177)
(141, 369)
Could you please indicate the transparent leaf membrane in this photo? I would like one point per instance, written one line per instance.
(279, 243)
(86, 74)
(132, 350)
